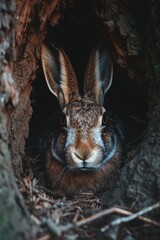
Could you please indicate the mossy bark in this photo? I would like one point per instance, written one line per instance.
(14, 219)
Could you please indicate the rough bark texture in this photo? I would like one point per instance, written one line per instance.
(139, 179)
(14, 220)
(31, 25)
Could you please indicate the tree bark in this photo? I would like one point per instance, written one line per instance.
(30, 32)
(14, 219)
(138, 184)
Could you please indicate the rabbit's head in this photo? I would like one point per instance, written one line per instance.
(86, 141)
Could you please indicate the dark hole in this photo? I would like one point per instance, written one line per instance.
(77, 34)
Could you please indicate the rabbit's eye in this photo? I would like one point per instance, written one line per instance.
(63, 120)
(104, 119)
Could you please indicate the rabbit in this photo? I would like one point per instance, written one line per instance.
(86, 154)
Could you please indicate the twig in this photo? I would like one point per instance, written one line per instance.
(45, 237)
(76, 216)
(58, 230)
(124, 212)
(46, 199)
(36, 220)
(95, 217)
(134, 216)
(89, 200)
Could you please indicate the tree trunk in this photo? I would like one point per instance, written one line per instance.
(30, 33)
(139, 179)
(14, 219)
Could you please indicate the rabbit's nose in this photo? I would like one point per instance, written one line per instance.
(83, 156)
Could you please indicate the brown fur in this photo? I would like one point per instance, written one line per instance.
(66, 182)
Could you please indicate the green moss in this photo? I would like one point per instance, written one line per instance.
(5, 219)
(3, 152)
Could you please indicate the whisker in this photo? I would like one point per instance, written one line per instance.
(133, 141)
(64, 177)
(35, 146)
(138, 119)
(37, 168)
(56, 180)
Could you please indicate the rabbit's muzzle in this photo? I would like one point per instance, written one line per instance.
(84, 153)
(84, 157)
(76, 167)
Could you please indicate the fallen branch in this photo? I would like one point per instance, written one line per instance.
(58, 230)
(134, 216)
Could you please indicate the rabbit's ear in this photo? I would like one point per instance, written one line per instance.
(99, 74)
(59, 74)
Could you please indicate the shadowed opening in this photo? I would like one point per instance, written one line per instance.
(77, 34)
